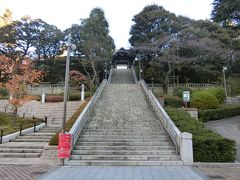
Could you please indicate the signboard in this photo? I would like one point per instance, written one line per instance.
(64, 145)
(186, 96)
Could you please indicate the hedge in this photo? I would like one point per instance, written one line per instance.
(220, 113)
(204, 100)
(173, 102)
(54, 140)
(218, 93)
(208, 146)
(77, 96)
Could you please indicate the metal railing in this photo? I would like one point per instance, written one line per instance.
(110, 76)
(84, 116)
(168, 124)
(20, 127)
(134, 75)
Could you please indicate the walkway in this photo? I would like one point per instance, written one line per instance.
(20, 172)
(228, 128)
(125, 173)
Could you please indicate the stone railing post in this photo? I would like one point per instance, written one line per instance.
(186, 148)
(82, 93)
(43, 96)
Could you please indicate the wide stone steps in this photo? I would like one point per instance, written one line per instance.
(136, 139)
(123, 130)
(120, 130)
(20, 155)
(124, 137)
(123, 163)
(35, 137)
(123, 152)
(114, 134)
(163, 148)
(40, 134)
(18, 150)
(126, 157)
(31, 140)
(120, 143)
(28, 146)
(4, 146)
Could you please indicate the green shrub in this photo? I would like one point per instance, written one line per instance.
(74, 97)
(178, 91)
(77, 96)
(173, 102)
(218, 93)
(204, 100)
(207, 145)
(54, 140)
(194, 90)
(4, 92)
(220, 113)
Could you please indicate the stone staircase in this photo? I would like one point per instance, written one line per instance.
(28, 146)
(123, 130)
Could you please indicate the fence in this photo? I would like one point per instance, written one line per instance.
(19, 128)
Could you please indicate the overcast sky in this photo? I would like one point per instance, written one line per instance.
(119, 13)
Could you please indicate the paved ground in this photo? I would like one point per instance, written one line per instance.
(229, 128)
(20, 172)
(214, 171)
(218, 171)
(125, 173)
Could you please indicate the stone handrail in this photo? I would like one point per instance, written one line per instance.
(110, 76)
(182, 141)
(134, 75)
(84, 116)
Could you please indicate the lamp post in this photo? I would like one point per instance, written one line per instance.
(224, 81)
(69, 47)
(105, 71)
(152, 82)
(139, 68)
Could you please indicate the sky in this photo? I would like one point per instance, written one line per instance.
(119, 13)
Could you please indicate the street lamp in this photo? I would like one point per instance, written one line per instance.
(105, 71)
(69, 47)
(224, 80)
(152, 82)
(139, 68)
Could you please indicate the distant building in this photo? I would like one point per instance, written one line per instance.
(122, 59)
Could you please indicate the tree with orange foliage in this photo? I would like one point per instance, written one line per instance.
(18, 75)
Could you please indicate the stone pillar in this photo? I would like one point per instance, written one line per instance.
(193, 112)
(43, 95)
(186, 148)
(82, 93)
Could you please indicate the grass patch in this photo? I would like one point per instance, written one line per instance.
(69, 123)
(6, 123)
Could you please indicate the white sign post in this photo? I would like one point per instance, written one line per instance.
(186, 97)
